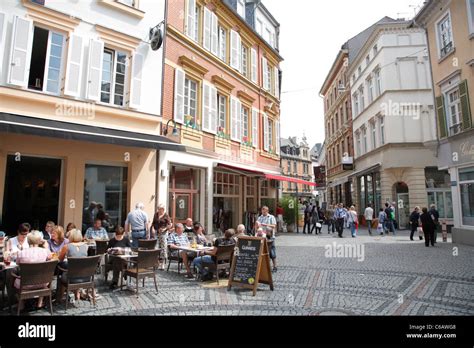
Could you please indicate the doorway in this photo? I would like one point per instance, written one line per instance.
(403, 205)
(32, 189)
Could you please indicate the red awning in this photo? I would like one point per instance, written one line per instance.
(289, 179)
(241, 170)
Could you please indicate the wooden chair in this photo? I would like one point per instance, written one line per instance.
(222, 260)
(144, 266)
(177, 259)
(32, 274)
(80, 274)
(147, 244)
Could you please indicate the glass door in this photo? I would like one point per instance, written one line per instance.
(403, 211)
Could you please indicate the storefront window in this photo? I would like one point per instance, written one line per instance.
(107, 186)
(378, 192)
(437, 178)
(226, 200)
(370, 191)
(466, 183)
(362, 192)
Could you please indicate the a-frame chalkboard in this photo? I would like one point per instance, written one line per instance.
(250, 264)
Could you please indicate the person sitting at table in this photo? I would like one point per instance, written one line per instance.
(69, 227)
(209, 255)
(200, 237)
(176, 240)
(97, 231)
(260, 233)
(119, 241)
(188, 226)
(75, 248)
(33, 254)
(48, 230)
(57, 241)
(20, 242)
(240, 232)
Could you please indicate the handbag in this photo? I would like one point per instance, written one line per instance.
(318, 225)
(420, 231)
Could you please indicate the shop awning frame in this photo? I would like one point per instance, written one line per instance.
(290, 179)
(17, 124)
(243, 170)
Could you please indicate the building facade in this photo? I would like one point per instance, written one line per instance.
(221, 101)
(296, 163)
(80, 102)
(449, 28)
(393, 120)
(318, 159)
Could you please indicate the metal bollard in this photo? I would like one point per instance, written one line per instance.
(444, 229)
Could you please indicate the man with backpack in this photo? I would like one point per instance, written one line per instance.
(390, 213)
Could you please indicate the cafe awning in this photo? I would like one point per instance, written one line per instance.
(244, 170)
(289, 179)
(17, 124)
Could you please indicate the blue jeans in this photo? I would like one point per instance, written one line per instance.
(352, 226)
(197, 262)
(136, 236)
(389, 226)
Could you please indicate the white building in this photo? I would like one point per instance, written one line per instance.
(393, 119)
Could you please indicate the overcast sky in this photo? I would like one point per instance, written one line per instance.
(311, 34)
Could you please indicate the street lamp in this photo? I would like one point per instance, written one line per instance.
(174, 132)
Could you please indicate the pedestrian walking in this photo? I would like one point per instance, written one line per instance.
(340, 216)
(368, 215)
(390, 219)
(382, 220)
(137, 224)
(352, 221)
(268, 223)
(307, 217)
(315, 220)
(415, 222)
(161, 226)
(330, 219)
(428, 225)
(435, 216)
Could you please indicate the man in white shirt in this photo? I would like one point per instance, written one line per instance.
(137, 222)
(368, 214)
(268, 223)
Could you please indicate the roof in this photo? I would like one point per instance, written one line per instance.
(423, 11)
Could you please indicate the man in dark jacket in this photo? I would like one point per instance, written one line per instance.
(414, 222)
(428, 227)
(435, 216)
(307, 217)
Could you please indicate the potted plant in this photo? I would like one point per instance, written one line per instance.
(290, 211)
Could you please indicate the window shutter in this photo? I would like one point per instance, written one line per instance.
(233, 119)
(235, 50)
(136, 83)
(254, 65)
(255, 120)
(206, 40)
(240, 122)
(75, 51)
(214, 35)
(441, 117)
(277, 137)
(190, 19)
(2, 39)
(465, 106)
(179, 96)
(277, 82)
(222, 43)
(266, 144)
(214, 109)
(94, 75)
(266, 83)
(206, 107)
(20, 54)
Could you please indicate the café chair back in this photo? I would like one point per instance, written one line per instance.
(80, 274)
(144, 266)
(147, 244)
(177, 258)
(222, 260)
(33, 275)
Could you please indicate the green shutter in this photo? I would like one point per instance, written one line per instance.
(465, 106)
(440, 111)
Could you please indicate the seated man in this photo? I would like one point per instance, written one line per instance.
(188, 227)
(209, 256)
(97, 231)
(177, 239)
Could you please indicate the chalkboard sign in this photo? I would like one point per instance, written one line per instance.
(250, 264)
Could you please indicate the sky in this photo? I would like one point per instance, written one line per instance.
(311, 34)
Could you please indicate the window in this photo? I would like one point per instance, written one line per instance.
(197, 11)
(241, 8)
(370, 88)
(244, 61)
(190, 101)
(127, 2)
(358, 144)
(362, 99)
(445, 36)
(113, 77)
(222, 44)
(382, 130)
(348, 112)
(454, 111)
(466, 184)
(222, 112)
(470, 16)
(192, 20)
(355, 97)
(378, 83)
(295, 167)
(270, 134)
(375, 50)
(305, 168)
(373, 134)
(367, 60)
(289, 167)
(341, 112)
(359, 70)
(46, 61)
(245, 124)
(364, 140)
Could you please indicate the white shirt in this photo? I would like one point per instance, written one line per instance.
(16, 246)
(369, 213)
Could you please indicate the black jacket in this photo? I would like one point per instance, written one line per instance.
(427, 222)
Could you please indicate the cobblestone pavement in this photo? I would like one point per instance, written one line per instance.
(395, 276)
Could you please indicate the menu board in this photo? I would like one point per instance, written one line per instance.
(246, 261)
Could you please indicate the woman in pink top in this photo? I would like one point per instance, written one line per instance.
(34, 254)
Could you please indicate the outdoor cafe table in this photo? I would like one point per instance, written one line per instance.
(196, 250)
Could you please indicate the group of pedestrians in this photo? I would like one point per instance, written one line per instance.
(313, 218)
(427, 221)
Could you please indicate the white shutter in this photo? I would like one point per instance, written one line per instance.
(75, 52)
(235, 50)
(2, 39)
(239, 121)
(214, 35)
(94, 75)
(277, 82)
(222, 44)
(266, 83)
(266, 144)
(179, 96)
(191, 19)
(206, 40)
(206, 107)
(20, 53)
(255, 120)
(234, 123)
(254, 65)
(136, 83)
(214, 110)
(277, 137)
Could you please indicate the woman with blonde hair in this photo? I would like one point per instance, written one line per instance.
(57, 241)
(352, 220)
(159, 228)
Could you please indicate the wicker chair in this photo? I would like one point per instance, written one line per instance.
(144, 266)
(34, 274)
(147, 244)
(221, 261)
(176, 258)
(82, 269)
(101, 249)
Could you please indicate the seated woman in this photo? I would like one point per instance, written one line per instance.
(57, 241)
(70, 226)
(20, 242)
(33, 254)
(200, 237)
(119, 241)
(75, 248)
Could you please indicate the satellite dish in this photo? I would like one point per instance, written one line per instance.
(156, 38)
